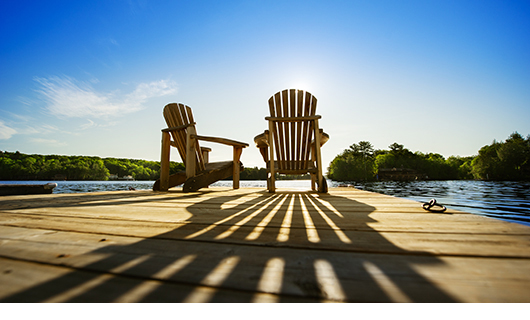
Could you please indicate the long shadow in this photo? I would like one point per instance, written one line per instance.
(283, 247)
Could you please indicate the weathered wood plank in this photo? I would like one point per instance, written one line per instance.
(31, 282)
(301, 236)
(246, 245)
(382, 221)
(360, 214)
(304, 273)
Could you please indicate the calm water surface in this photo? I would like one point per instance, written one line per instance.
(502, 200)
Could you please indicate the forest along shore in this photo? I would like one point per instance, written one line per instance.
(508, 160)
(500, 161)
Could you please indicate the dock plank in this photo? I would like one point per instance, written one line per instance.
(466, 244)
(248, 245)
(190, 263)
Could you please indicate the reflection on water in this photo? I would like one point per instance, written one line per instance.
(505, 200)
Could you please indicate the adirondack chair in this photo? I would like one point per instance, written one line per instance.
(199, 171)
(292, 143)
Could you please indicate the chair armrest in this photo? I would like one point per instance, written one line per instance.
(223, 141)
(262, 140)
(324, 137)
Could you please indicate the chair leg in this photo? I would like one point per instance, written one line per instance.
(318, 158)
(323, 186)
(191, 155)
(235, 171)
(164, 161)
(270, 179)
(313, 181)
(271, 183)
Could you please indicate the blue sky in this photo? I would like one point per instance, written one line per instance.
(92, 77)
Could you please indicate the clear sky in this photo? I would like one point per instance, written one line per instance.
(92, 77)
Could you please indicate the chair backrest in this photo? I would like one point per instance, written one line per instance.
(292, 140)
(180, 115)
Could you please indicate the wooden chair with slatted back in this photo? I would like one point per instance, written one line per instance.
(182, 134)
(290, 144)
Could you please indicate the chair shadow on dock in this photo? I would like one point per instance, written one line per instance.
(252, 247)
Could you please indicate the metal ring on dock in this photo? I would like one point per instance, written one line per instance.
(429, 206)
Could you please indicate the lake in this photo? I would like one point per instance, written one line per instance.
(504, 200)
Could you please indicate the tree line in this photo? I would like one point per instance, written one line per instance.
(508, 160)
(19, 166)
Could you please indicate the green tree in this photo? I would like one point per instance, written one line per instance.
(18, 166)
(397, 157)
(253, 174)
(509, 160)
(354, 164)
(514, 156)
(462, 167)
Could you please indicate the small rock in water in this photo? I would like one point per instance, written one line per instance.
(132, 189)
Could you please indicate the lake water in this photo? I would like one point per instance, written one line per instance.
(506, 200)
(502, 200)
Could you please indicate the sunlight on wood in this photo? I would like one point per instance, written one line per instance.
(283, 234)
(271, 280)
(328, 205)
(76, 291)
(80, 289)
(200, 295)
(328, 280)
(175, 267)
(130, 264)
(312, 234)
(213, 279)
(139, 292)
(385, 283)
(238, 201)
(238, 225)
(215, 224)
(263, 223)
(57, 249)
(342, 236)
(143, 289)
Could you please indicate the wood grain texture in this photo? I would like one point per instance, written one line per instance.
(247, 245)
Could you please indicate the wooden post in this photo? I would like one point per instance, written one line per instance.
(318, 157)
(313, 181)
(313, 160)
(164, 161)
(271, 186)
(235, 171)
(191, 156)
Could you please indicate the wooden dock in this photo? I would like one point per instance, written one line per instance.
(247, 245)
